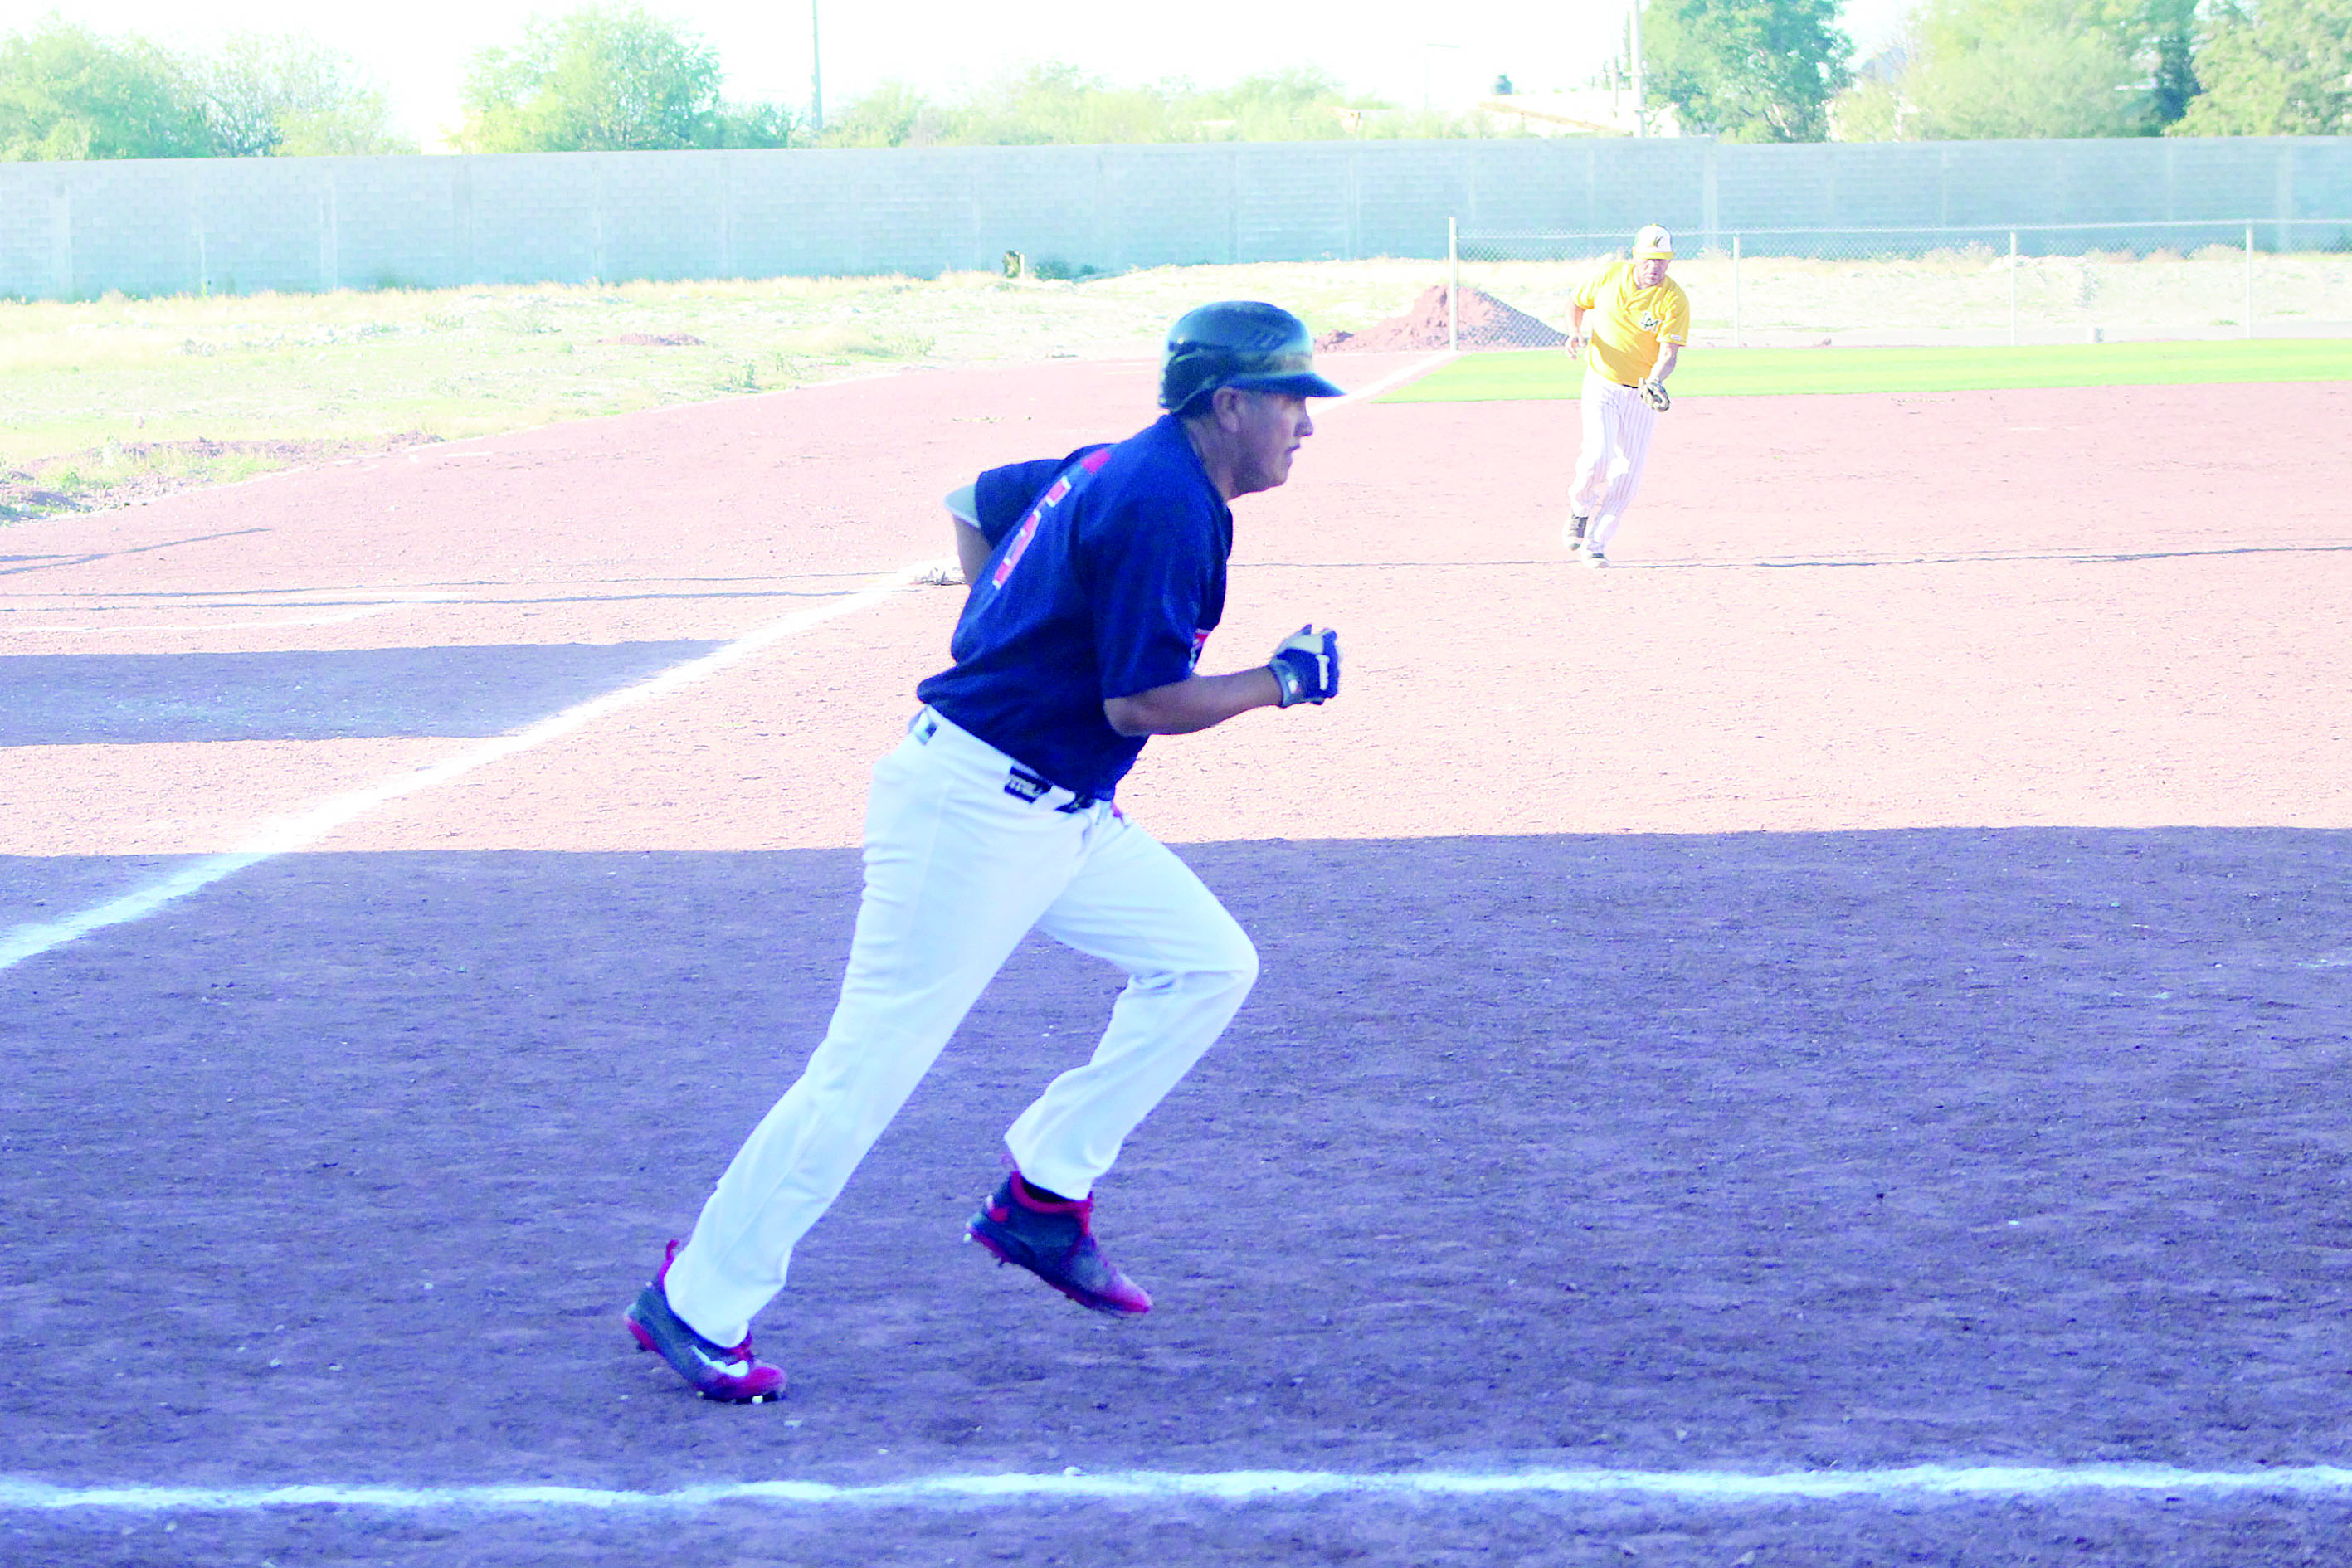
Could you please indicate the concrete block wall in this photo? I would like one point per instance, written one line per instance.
(77, 230)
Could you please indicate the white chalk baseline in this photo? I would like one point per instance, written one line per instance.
(309, 826)
(1914, 1483)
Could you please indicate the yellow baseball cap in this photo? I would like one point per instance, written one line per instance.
(1654, 241)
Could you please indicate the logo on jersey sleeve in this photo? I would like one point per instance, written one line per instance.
(1021, 538)
(1084, 470)
(1200, 641)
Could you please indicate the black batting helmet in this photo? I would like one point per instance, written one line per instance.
(1238, 342)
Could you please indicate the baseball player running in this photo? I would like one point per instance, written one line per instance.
(1095, 580)
(1642, 319)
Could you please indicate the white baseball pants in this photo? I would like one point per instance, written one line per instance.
(1617, 427)
(956, 871)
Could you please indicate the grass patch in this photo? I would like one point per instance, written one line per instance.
(109, 401)
(369, 366)
(194, 390)
(1733, 373)
(122, 472)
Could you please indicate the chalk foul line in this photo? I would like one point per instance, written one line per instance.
(1397, 378)
(1913, 1483)
(288, 834)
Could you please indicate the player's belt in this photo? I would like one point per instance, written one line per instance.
(1022, 784)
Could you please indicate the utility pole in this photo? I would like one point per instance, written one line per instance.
(816, 77)
(1641, 95)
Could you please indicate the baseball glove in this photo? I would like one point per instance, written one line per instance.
(1653, 393)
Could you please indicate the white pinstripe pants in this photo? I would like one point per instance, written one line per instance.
(1617, 427)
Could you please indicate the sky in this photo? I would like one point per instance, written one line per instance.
(1409, 51)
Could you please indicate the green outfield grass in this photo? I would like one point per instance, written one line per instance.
(1732, 373)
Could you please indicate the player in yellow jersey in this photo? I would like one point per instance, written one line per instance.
(1641, 321)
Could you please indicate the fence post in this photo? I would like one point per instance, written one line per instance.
(1734, 290)
(330, 270)
(2250, 280)
(61, 256)
(1454, 284)
(2012, 288)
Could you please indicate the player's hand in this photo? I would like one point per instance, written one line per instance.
(1575, 346)
(1305, 666)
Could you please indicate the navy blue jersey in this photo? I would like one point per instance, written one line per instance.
(1002, 496)
(1108, 585)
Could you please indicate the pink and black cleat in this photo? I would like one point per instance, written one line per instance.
(1053, 1239)
(716, 1371)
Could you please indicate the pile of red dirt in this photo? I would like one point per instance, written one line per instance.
(1481, 322)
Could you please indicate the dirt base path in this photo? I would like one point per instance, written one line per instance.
(2029, 608)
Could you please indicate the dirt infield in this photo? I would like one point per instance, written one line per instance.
(1830, 1150)
(1859, 984)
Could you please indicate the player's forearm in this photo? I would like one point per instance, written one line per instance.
(1668, 354)
(1198, 702)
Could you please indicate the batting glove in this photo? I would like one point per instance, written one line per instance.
(1305, 666)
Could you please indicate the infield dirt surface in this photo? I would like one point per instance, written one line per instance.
(1859, 983)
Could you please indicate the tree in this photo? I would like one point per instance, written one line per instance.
(67, 92)
(1052, 103)
(608, 79)
(2000, 70)
(1872, 108)
(2007, 69)
(755, 125)
(292, 96)
(892, 115)
(2274, 67)
(1301, 104)
(1057, 103)
(2165, 42)
(1748, 70)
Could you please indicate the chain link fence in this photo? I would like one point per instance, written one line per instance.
(2045, 283)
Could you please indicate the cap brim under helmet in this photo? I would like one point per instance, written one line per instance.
(1297, 383)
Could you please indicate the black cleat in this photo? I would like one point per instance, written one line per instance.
(1055, 1240)
(736, 1376)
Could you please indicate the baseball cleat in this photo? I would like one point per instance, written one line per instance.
(736, 1376)
(1594, 558)
(1055, 1240)
(1573, 536)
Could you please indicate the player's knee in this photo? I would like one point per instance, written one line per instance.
(1245, 967)
(1216, 963)
(1230, 964)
